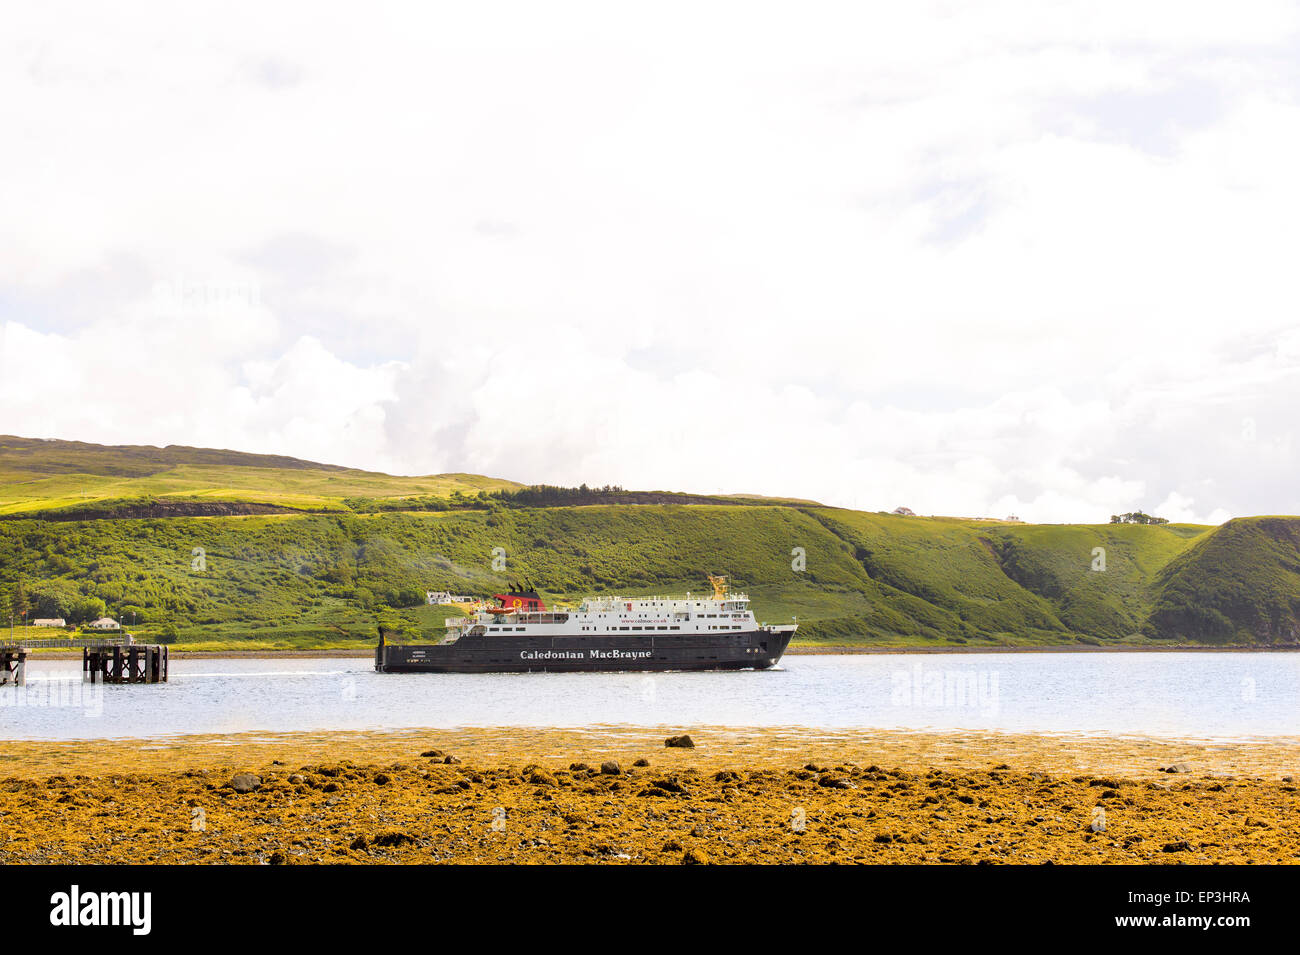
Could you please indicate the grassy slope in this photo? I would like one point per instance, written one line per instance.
(273, 576)
(47, 475)
(982, 580)
(1106, 593)
(1240, 584)
(315, 580)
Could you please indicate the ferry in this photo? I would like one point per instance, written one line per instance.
(603, 634)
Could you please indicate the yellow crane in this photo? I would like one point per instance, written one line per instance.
(719, 587)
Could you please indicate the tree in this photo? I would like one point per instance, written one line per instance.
(86, 609)
(54, 598)
(18, 600)
(134, 612)
(1136, 517)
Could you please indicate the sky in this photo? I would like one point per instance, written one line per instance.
(976, 259)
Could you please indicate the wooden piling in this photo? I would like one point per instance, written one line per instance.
(141, 663)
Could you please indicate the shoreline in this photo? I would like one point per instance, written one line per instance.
(524, 795)
(1138, 757)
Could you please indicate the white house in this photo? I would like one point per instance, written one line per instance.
(49, 622)
(442, 597)
(104, 623)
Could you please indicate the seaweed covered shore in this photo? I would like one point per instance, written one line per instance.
(490, 796)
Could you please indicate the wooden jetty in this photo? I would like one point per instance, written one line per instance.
(135, 663)
(110, 660)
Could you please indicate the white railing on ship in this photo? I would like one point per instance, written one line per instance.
(675, 600)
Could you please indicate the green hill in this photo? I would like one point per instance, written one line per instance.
(355, 548)
(1240, 584)
(47, 477)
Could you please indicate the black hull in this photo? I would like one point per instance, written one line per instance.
(749, 650)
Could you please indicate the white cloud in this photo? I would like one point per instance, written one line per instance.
(969, 259)
(1178, 508)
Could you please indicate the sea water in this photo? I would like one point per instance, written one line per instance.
(1168, 694)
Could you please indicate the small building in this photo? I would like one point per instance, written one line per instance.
(905, 511)
(104, 623)
(443, 597)
(49, 622)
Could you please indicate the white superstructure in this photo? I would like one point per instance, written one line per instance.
(615, 616)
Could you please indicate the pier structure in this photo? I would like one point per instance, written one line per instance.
(106, 660)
